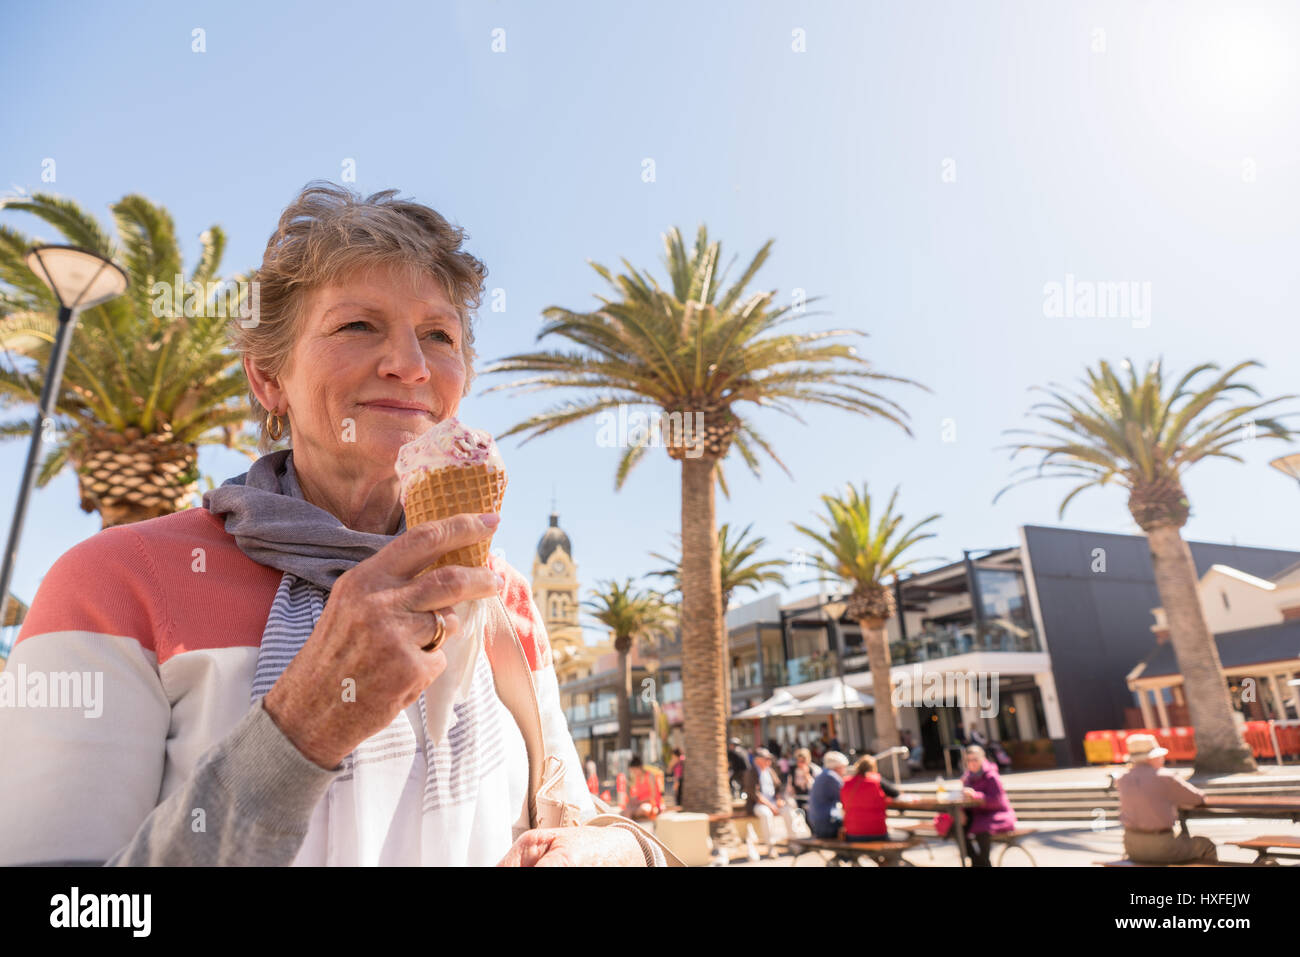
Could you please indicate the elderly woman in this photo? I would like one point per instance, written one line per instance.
(247, 718)
(994, 815)
(799, 782)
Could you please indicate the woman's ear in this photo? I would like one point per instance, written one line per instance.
(266, 389)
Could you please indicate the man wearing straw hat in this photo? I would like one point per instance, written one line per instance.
(1149, 799)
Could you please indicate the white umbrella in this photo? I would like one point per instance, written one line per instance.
(765, 709)
(834, 698)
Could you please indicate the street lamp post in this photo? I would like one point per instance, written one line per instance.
(79, 279)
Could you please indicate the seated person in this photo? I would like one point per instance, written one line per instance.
(761, 800)
(824, 813)
(799, 782)
(865, 796)
(644, 798)
(981, 782)
(1149, 799)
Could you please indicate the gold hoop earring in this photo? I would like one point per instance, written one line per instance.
(273, 427)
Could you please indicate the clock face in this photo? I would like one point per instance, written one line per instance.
(557, 566)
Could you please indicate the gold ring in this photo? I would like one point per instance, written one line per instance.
(439, 634)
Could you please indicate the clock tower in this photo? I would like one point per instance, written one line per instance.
(555, 589)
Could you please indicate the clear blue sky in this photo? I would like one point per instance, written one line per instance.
(1157, 143)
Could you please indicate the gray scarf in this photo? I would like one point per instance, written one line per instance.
(274, 525)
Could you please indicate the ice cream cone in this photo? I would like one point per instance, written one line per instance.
(453, 490)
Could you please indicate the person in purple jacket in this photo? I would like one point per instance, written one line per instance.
(981, 782)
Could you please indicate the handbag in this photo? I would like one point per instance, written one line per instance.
(942, 823)
(799, 824)
(545, 805)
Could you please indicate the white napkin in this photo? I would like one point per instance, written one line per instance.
(452, 686)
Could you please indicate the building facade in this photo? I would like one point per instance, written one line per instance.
(587, 674)
(1046, 632)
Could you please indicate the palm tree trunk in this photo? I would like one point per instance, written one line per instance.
(705, 785)
(726, 664)
(1219, 745)
(873, 636)
(624, 698)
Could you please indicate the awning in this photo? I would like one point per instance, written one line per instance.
(835, 698)
(765, 709)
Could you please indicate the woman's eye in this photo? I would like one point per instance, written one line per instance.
(364, 324)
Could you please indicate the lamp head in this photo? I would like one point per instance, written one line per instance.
(78, 277)
(1288, 465)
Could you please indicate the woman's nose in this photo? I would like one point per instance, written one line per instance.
(404, 357)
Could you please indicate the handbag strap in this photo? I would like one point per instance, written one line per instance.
(514, 683)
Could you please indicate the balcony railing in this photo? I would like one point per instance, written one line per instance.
(605, 709)
(945, 643)
(814, 667)
(750, 676)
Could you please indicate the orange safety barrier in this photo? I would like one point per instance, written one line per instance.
(1259, 739)
(1182, 744)
(1288, 739)
(1111, 747)
(1165, 738)
(1099, 747)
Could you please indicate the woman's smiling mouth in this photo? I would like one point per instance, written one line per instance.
(411, 413)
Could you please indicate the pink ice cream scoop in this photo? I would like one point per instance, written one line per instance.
(447, 444)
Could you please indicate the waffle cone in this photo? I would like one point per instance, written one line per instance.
(454, 490)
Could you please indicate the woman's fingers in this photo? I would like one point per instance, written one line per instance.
(451, 624)
(417, 548)
(447, 586)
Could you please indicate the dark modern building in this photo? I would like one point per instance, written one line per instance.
(1054, 624)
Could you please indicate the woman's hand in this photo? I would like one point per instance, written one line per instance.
(575, 847)
(363, 662)
(972, 794)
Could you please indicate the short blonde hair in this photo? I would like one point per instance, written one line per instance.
(803, 753)
(329, 231)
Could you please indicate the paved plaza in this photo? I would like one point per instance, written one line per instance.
(1068, 844)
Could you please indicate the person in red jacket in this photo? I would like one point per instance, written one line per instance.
(865, 796)
(644, 798)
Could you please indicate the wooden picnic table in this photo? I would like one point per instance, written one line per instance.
(1244, 805)
(950, 806)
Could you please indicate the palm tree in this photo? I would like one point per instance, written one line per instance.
(148, 379)
(738, 571)
(860, 551)
(1139, 436)
(633, 616)
(695, 351)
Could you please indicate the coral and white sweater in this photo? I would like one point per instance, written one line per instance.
(171, 614)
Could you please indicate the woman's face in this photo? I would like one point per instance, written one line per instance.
(372, 338)
(973, 764)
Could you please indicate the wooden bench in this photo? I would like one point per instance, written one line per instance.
(1008, 839)
(742, 821)
(1262, 846)
(1128, 863)
(884, 853)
